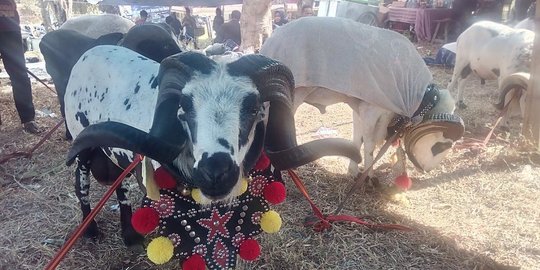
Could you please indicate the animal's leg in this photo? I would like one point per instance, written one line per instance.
(129, 235)
(300, 94)
(369, 117)
(462, 71)
(357, 140)
(374, 126)
(82, 188)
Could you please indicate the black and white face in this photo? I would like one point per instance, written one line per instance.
(219, 113)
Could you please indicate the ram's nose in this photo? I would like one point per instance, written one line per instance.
(217, 175)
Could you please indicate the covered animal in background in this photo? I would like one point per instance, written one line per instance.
(379, 74)
(204, 121)
(95, 26)
(62, 48)
(493, 51)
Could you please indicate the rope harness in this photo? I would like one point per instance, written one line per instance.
(28, 154)
(79, 231)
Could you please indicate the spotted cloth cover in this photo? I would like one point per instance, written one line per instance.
(214, 232)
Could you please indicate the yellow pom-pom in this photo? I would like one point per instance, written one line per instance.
(160, 250)
(243, 187)
(270, 222)
(196, 194)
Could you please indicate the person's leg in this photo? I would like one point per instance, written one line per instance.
(12, 52)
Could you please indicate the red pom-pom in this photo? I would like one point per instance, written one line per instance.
(262, 163)
(403, 181)
(145, 220)
(164, 179)
(275, 192)
(249, 250)
(194, 262)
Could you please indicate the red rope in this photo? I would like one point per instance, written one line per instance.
(67, 246)
(28, 154)
(483, 143)
(324, 221)
(39, 80)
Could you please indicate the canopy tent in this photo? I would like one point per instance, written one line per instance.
(197, 3)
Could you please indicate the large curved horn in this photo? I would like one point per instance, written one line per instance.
(518, 80)
(114, 134)
(275, 83)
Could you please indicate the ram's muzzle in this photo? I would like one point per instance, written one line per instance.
(428, 143)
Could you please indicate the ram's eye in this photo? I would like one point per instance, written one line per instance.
(186, 104)
(255, 111)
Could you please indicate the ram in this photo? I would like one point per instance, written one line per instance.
(494, 51)
(204, 121)
(62, 48)
(379, 74)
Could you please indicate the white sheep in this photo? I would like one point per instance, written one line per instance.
(94, 26)
(377, 72)
(492, 51)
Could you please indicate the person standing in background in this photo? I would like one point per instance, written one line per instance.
(12, 54)
(279, 19)
(307, 11)
(218, 20)
(174, 23)
(190, 24)
(230, 30)
(143, 18)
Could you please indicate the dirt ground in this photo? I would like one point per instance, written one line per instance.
(478, 210)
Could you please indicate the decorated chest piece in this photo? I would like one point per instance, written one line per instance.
(210, 236)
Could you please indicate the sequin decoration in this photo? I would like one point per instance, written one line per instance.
(165, 206)
(213, 231)
(256, 187)
(175, 239)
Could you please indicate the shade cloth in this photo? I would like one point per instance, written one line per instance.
(195, 3)
(376, 65)
(422, 18)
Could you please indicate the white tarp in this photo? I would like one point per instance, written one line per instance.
(378, 66)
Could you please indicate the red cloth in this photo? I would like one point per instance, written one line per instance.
(9, 18)
(422, 19)
(404, 15)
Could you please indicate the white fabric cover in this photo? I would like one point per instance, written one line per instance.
(525, 24)
(95, 26)
(378, 66)
(451, 46)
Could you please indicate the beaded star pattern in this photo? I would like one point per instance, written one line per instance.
(214, 235)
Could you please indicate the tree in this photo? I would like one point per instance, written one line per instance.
(255, 23)
(531, 125)
(61, 11)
